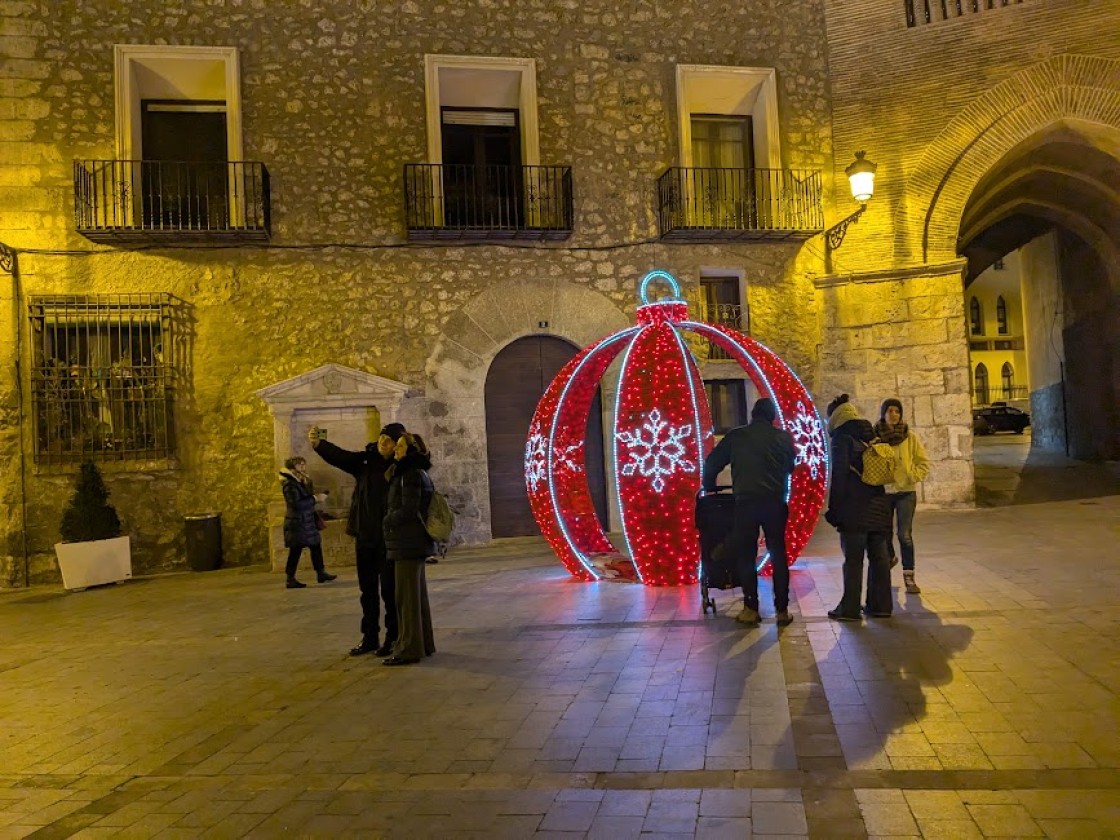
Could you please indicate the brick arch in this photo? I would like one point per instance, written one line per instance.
(1064, 87)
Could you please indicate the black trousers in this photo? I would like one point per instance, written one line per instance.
(771, 517)
(377, 583)
(293, 558)
(856, 544)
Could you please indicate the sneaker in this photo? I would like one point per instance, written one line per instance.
(749, 617)
(782, 618)
(868, 612)
(295, 584)
(326, 577)
(836, 615)
(911, 587)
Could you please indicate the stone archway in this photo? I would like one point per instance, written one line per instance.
(1034, 162)
(457, 367)
(1065, 87)
(518, 377)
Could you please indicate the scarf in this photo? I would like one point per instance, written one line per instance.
(894, 435)
(841, 415)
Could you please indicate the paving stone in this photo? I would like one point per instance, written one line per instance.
(661, 722)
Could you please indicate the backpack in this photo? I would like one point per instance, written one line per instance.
(439, 518)
(879, 462)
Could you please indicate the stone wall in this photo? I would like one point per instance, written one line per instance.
(333, 103)
(901, 334)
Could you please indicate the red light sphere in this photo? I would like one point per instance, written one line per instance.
(662, 433)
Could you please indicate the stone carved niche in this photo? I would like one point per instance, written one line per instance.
(351, 406)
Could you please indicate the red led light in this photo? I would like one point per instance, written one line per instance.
(662, 432)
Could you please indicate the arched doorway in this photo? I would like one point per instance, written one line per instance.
(517, 378)
(1040, 230)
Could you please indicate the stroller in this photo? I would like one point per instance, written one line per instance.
(715, 513)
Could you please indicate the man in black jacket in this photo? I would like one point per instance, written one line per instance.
(762, 459)
(367, 513)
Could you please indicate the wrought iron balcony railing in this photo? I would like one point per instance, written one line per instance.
(141, 200)
(452, 201)
(708, 204)
(725, 315)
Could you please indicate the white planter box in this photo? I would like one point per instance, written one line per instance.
(92, 563)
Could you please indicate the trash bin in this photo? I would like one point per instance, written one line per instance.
(204, 541)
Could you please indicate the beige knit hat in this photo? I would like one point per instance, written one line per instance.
(841, 415)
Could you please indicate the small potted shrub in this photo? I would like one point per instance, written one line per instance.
(92, 550)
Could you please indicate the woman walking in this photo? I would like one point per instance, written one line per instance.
(407, 544)
(911, 468)
(860, 513)
(301, 529)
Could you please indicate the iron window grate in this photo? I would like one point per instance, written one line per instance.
(103, 377)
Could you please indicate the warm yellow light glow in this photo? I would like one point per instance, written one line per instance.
(861, 175)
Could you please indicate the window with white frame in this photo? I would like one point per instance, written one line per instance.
(483, 146)
(731, 106)
(178, 132)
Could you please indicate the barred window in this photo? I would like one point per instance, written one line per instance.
(102, 380)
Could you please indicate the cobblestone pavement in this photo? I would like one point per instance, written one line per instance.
(222, 705)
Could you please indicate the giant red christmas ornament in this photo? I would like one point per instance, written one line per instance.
(662, 432)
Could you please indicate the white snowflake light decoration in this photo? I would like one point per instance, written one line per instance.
(808, 439)
(565, 457)
(536, 463)
(657, 449)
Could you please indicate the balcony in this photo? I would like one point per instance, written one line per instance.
(721, 205)
(452, 201)
(144, 201)
(723, 315)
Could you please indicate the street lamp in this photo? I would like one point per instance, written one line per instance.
(861, 176)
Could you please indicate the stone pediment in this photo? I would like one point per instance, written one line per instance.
(333, 386)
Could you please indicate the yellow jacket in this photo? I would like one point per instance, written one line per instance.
(911, 465)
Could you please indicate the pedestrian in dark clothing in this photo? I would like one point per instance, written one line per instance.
(762, 459)
(861, 513)
(408, 543)
(301, 529)
(376, 580)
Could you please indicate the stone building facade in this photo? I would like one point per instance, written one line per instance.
(337, 99)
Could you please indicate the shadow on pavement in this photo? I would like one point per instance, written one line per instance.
(900, 669)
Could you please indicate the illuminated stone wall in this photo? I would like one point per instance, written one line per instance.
(333, 103)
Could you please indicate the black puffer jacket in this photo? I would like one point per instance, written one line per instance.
(853, 505)
(367, 506)
(299, 512)
(410, 493)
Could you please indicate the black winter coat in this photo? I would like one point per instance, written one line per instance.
(299, 513)
(367, 505)
(761, 458)
(410, 493)
(853, 505)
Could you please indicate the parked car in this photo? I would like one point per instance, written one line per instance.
(999, 417)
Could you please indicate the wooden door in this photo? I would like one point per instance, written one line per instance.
(517, 379)
(185, 181)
